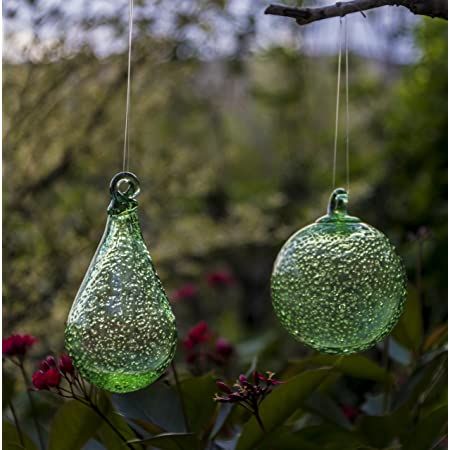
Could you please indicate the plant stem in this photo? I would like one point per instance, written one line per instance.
(110, 424)
(419, 268)
(87, 400)
(180, 395)
(16, 421)
(259, 420)
(33, 407)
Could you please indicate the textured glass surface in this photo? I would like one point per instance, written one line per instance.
(338, 285)
(121, 330)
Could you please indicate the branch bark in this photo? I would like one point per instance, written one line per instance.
(303, 16)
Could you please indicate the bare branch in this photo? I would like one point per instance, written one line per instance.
(303, 16)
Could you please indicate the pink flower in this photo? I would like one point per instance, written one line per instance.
(224, 348)
(196, 335)
(17, 344)
(185, 292)
(66, 364)
(46, 379)
(220, 278)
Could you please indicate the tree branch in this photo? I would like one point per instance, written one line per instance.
(303, 16)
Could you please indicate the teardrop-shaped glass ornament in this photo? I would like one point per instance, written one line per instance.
(338, 284)
(121, 331)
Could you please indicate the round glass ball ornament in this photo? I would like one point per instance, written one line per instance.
(338, 285)
(121, 331)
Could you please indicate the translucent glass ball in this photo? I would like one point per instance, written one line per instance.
(338, 284)
(121, 330)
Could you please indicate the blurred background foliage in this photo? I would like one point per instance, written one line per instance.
(233, 150)
(231, 137)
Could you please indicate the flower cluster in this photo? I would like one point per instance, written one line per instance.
(246, 393)
(17, 345)
(202, 346)
(51, 372)
(251, 393)
(196, 335)
(218, 279)
(188, 291)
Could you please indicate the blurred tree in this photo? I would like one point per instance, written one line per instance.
(233, 149)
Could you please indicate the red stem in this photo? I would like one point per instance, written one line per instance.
(33, 407)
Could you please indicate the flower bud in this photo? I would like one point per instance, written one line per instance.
(52, 377)
(224, 348)
(43, 380)
(38, 380)
(243, 379)
(66, 364)
(224, 387)
(47, 363)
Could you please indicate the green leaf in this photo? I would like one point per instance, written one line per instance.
(427, 431)
(280, 405)
(147, 426)
(409, 329)
(105, 433)
(323, 406)
(198, 395)
(356, 366)
(380, 431)
(171, 441)
(11, 438)
(7, 388)
(425, 379)
(158, 404)
(109, 437)
(74, 424)
(319, 437)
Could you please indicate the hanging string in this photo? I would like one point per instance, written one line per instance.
(347, 114)
(338, 90)
(126, 140)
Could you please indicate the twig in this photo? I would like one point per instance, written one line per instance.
(304, 16)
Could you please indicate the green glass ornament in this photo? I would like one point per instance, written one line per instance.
(121, 331)
(338, 284)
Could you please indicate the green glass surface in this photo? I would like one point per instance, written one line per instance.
(121, 331)
(338, 284)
